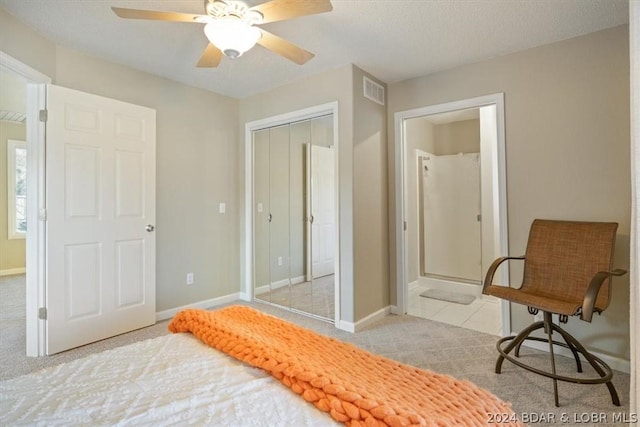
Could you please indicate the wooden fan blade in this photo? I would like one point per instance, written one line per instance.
(279, 10)
(156, 15)
(284, 48)
(210, 57)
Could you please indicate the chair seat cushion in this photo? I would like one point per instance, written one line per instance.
(550, 303)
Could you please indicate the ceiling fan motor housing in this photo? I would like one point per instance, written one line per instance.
(219, 9)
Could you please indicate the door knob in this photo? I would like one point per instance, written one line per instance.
(150, 228)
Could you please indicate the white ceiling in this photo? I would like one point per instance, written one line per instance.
(392, 39)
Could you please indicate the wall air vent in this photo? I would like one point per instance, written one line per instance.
(12, 116)
(373, 91)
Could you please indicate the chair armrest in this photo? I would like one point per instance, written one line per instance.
(492, 270)
(590, 296)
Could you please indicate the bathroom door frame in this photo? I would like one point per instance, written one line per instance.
(268, 122)
(494, 210)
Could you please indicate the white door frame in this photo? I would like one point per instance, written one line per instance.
(35, 286)
(249, 128)
(497, 215)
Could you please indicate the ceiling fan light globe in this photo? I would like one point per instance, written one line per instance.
(232, 36)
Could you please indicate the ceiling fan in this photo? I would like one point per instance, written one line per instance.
(232, 26)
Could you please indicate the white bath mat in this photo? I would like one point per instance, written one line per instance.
(448, 296)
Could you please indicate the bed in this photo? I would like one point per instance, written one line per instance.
(170, 380)
(279, 374)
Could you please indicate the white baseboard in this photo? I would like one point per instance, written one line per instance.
(360, 324)
(395, 310)
(615, 363)
(13, 271)
(168, 314)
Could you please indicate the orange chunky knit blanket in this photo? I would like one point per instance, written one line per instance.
(356, 387)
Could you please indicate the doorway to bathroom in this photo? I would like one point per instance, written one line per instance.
(452, 213)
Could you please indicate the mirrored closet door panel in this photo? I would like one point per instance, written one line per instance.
(279, 251)
(321, 195)
(261, 212)
(301, 297)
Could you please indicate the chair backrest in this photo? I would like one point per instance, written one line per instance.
(563, 256)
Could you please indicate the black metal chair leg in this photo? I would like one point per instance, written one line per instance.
(516, 341)
(548, 326)
(596, 364)
(538, 325)
(569, 340)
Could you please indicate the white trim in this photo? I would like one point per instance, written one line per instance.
(498, 191)
(615, 363)
(13, 271)
(365, 321)
(249, 128)
(12, 146)
(634, 279)
(35, 293)
(204, 305)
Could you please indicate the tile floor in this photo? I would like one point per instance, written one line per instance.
(481, 315)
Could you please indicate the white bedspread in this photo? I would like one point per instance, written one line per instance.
(170, 380)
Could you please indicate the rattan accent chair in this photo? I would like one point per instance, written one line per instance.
(567, 272)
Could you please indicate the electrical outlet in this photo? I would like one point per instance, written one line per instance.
(279, 261)
(539, 317)
(189, 278)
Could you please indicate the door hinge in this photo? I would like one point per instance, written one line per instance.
(43, 215)
(404, 225)
(42, 313)
(43, 115)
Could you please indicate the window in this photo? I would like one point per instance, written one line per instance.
(17, 188)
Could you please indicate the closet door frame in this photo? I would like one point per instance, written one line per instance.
(282, 119)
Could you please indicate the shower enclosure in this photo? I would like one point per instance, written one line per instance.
(449, 217)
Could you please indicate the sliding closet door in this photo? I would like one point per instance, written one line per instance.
(261, 211)
(321, 202)
(279, 226)
(283, 217)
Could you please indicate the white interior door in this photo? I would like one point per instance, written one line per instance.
(322, 210)
(100, 250)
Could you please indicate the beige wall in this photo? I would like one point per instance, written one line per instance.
(457, 137)
(567, 148)
(370, 200)
(12, 251)
(24, 44)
